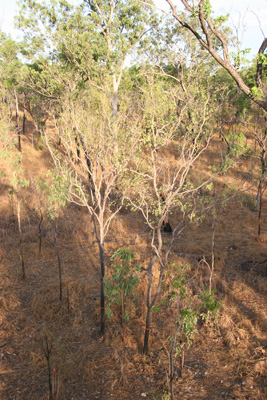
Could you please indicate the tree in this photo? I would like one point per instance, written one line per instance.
(88, 48)
(93, 39)
(120, 286)
(10, 77)
(97, 149)
(189, 310)
(207, 30)
(179, 120)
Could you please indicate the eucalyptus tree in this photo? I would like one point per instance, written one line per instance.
(84, 50)
(178, 123)
(197, 18)
(97, 150)
(95, 38)
(10, 79)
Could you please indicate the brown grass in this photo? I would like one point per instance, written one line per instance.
(226, 353)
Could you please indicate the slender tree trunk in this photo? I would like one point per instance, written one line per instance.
(59, 275)
(171, 360)
(87, 158)
(12, 206)
(149, 304)
(47, 350)
(102, 295)
(100, 242)
(182, 360)
(147, 331)
(212, 255)
(122, 316)
(114, 104)
(260, 188)
(78, 152)
(21, 245)
(260, 206)
(68, 300)
(24, 122)
(17, 120)
(40, 232)
(59, 265)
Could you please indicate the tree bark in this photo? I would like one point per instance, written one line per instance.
(114, 104)
(102, 295)
(259, 64)
(149, 303)
(147, 331)
(205, 40)
(21, 245)
(40, 232)
(17, 120)
(100, 242)
(24, 122)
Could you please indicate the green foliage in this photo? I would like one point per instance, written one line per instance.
(54, 193)
(122, 284)
(239, 58)
(207, 8)
(218, 21)
(256, 93)
(248, 201)
(262, 59)
(189, 318)
(209, 304)
(9, 62)
(166, 396)
(237, 147)
(190, 308)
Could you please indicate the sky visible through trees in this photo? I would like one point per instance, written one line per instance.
(249, 17)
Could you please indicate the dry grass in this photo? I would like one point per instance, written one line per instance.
(225, 355)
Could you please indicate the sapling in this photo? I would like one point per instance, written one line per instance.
(122, 284)
(51, 201)
(189, 309)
